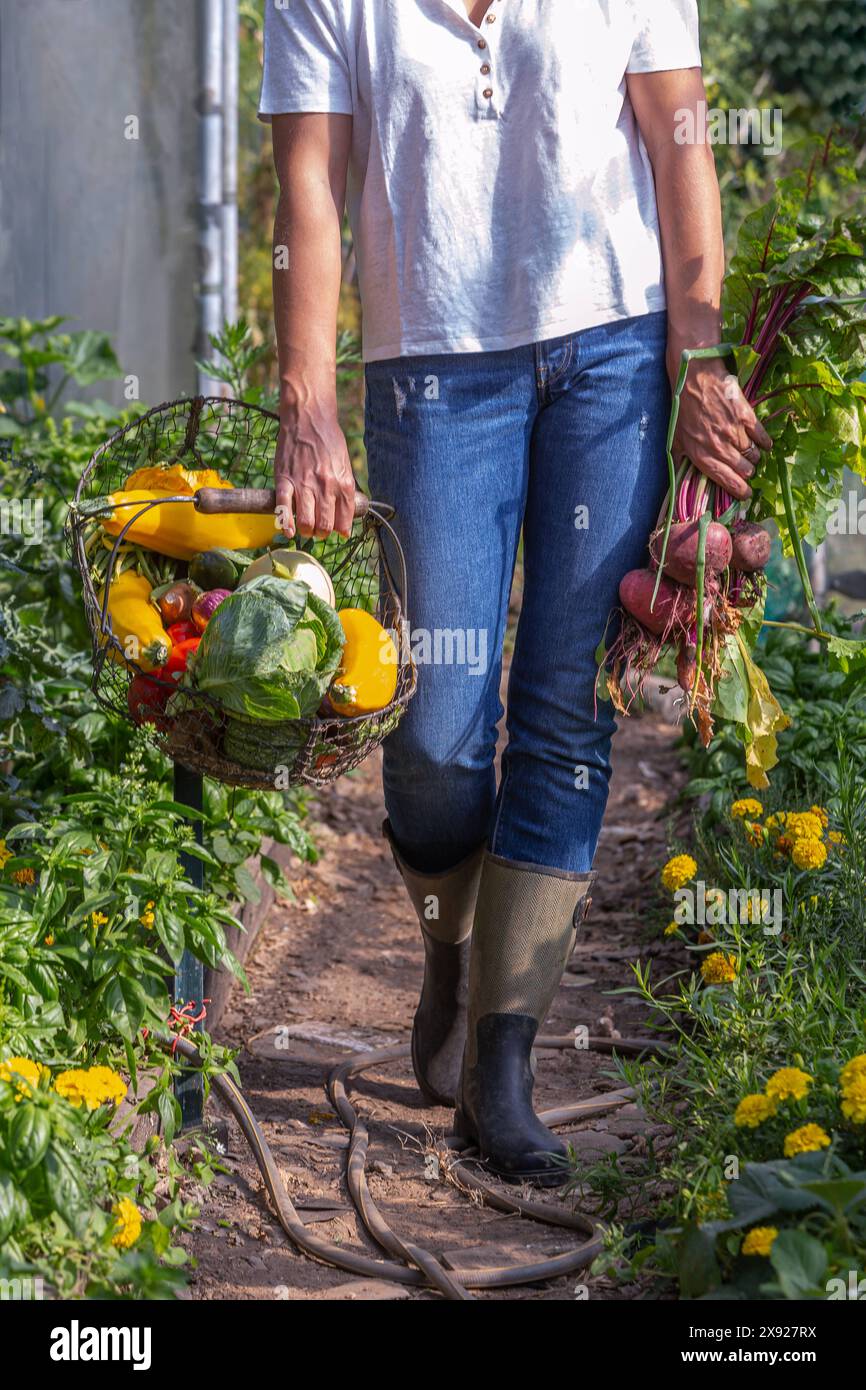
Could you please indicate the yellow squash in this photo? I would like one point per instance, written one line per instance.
(136, 623)
(178, 530)
(367, 678)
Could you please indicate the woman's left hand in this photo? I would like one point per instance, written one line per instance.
(717, 429)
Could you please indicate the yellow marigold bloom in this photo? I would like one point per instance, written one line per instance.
(747, 806)
(677, 872)
(836, 837)
(854, 1067)
(788, 1083)
(808, 1139)
(93, 1087)
(803, 825)
(148, 916)
(823, 816)
(809, 854)
(23, 876)
(5, 854)
(755, 833)
(671, 928)
(22, 1073)
(777, 820)
(107, 1084)
(759, 1241)
(705, 938)
(719, 969)
(127, 1227)
(854, 1100)
(753, 1111)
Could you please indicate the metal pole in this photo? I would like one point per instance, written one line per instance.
(230, 160)
(210, 184)
(189, 979)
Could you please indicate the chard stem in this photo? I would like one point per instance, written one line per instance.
(797, 544)
(689, 355)
(700, 573)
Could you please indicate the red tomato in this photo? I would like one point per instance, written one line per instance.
(181, 632)
(180, 653)
(146, 698)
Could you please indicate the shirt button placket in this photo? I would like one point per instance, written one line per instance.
(485, 104)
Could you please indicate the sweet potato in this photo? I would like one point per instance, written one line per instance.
(682, 552)
(751, 547)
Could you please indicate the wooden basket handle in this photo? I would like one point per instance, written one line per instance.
(216, 500)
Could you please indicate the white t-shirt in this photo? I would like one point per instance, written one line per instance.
(499, 190)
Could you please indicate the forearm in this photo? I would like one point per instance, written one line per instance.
(690, 218)
(307, 270)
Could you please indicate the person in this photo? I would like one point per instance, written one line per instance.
(536, 245)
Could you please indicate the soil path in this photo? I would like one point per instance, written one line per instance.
(342, 964)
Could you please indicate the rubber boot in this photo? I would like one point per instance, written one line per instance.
(445, 905)
(525, 925)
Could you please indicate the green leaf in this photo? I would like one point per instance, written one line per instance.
(65, 1187)
(800, 1263)
(697, 1266)
(172, 934)
(246, 884)
(127, 1004)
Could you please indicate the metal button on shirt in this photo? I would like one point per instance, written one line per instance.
(499, 191)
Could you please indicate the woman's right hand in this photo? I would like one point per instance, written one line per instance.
(313, 476)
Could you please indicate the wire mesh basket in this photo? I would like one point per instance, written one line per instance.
(237, 441)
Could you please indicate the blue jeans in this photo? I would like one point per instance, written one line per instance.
(565, 439)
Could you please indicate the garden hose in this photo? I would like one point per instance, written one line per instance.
(410, 1263)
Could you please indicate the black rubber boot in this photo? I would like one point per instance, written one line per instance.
(445, 905)
(525, 925)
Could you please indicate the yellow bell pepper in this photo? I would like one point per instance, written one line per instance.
(136, 623)
(178, 530)
(367, 678)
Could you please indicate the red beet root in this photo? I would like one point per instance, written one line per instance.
(682, 553)
(635, 595)
(751, 547)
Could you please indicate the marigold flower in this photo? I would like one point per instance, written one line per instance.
(127, 1226)
(22, 1073)
(747, 806)
(755, 834)
(854, 1067)
(23, 877)
(5, 854)
(809, 854)
(92, 1087)
(835, 837)
(719, 969)
(753, 1111)
(677, 872)
(671, 928)
(822, 814)
(808, 1139)
(803, 825)
(854, 1099)
(759, 1241)
(777, 820)
(788, 1083)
